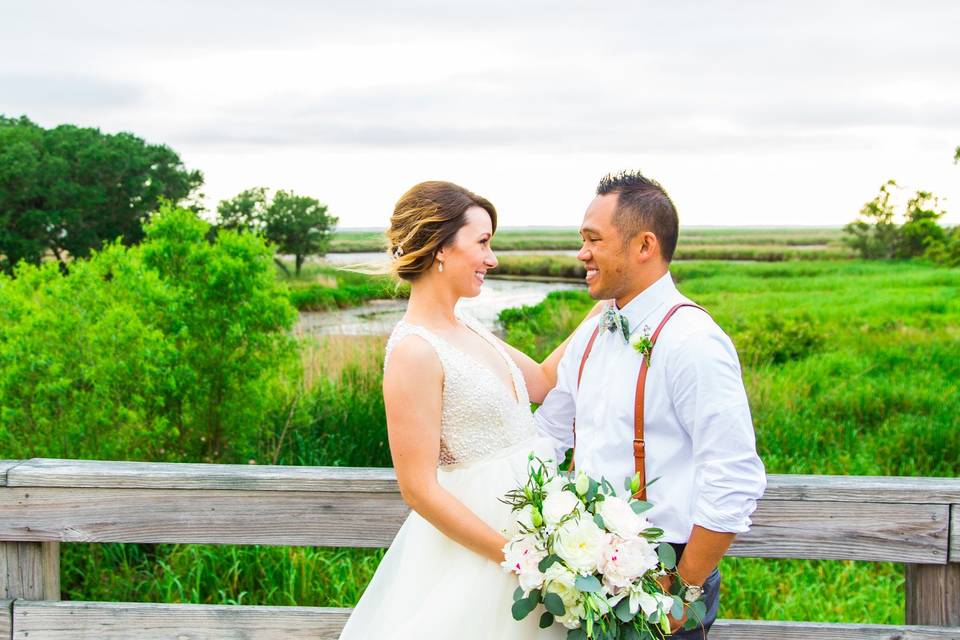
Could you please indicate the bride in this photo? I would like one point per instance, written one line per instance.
(458, 419)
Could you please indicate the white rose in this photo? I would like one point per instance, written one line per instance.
(522, 555)
(620, 519)
(555, 485)
(561, 581)
(623, 561)
(559, 504)
(580, 543)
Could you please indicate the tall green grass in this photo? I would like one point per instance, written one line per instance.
(851, 368)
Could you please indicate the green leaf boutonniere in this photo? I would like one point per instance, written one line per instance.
(643, 344)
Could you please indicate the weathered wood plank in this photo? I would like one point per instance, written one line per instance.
(777, 630)
(6, 619)
(955, 533)
(863, 488)
(216, 517)
(6, 465)
(886, 532)
(116, 621)
(846, 531)
(144, 621)
(49, 472)
(21, 570)
(932, 594)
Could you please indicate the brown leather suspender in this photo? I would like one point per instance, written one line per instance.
(639, 453)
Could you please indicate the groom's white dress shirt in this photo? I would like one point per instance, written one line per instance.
(700, 442)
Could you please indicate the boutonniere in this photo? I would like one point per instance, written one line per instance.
(643, 344)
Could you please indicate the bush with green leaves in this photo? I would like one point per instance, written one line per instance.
(171, 350)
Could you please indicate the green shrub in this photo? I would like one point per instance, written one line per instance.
(171, 350)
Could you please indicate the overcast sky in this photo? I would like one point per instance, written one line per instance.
(749, 113)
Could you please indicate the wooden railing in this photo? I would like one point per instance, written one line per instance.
(43, 502)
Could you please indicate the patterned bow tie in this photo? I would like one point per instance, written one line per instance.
(613, 320)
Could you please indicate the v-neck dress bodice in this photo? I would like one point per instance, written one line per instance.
(480, 415)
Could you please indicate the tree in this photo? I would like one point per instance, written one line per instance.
(298, 225)
(68, 189)
(874, 236)
(920, 230)
(956, 156)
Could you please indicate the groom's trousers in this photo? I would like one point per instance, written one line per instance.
(711, 598)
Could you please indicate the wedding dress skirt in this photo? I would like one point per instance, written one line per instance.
(429, 587)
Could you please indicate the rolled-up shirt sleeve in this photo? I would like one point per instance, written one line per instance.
(711, 403)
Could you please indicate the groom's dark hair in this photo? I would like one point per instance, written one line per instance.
(642, 205)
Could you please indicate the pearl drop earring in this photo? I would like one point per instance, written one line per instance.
(440, 267)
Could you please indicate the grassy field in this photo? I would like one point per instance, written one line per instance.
(699, 242)
(850, 366)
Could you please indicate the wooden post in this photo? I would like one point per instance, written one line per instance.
(933, 594)
(933, 590)
(30, 570)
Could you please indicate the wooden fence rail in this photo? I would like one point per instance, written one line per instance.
(43, 502)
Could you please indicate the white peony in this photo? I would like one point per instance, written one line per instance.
(580, 543)
(522, 555)
(623, 561)
(559, 504)
(561, 581)
(619, 518)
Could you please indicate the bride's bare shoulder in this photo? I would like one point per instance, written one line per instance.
(412, 360)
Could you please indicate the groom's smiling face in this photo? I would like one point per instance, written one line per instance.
(604, 254)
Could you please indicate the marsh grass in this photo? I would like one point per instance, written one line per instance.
(851, 368)
(514, 239)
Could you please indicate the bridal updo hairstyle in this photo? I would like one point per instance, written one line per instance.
(425, 219)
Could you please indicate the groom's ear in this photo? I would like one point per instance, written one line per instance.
(645, 246)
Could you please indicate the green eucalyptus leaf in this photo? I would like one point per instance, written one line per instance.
(554, 604)
(577, 634)
(677, 609)
(588, 584)
(639, 506)
(546, 620)
(668, 557)
(599, 520)
(517, 593)
(546, 562)
(622, 611)
(698, 608)
(522, 608)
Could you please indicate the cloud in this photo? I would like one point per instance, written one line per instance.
(23, 93)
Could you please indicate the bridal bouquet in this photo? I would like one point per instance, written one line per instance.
(591, 559)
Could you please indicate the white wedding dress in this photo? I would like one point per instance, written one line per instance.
(428, 586)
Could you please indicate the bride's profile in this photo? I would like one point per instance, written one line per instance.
(457, 401)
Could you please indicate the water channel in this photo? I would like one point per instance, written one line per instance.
(379, 316)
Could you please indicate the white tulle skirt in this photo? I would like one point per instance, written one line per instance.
(429, 587)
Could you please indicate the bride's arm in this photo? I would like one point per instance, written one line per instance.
(412, 393)
(542, 376)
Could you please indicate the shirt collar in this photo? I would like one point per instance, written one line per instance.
(647, 301)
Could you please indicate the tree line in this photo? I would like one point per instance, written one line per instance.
(67, 190)
(875, 234)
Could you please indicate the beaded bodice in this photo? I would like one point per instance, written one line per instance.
(480, 415)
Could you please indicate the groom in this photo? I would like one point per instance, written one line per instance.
(684, 420)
